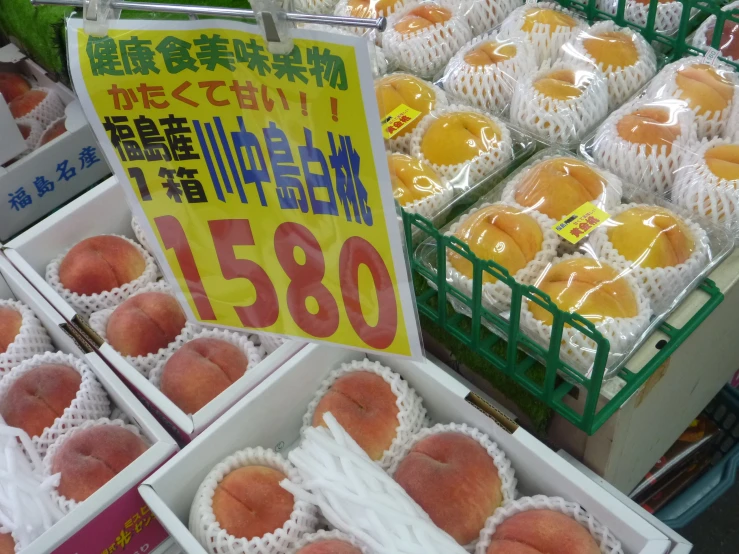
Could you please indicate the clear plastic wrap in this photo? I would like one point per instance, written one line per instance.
(376, 53)
(367, 8)
(728, 43)
(666, 20)
(622, 272)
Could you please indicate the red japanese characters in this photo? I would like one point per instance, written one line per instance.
(100, 264)
(540, 532)
(13, 85)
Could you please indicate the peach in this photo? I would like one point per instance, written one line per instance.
(458, 137)
(25, 130)
(13, 85)
(646, 2)
(583, 285)
(422, 17)
(10, 325)
(561, 84)
(704, 88)
(412, 179)
(27, 102)
(653, 126)
(499, 233)
(201, 370)
(56, 129)
(723, 161)
(542, 532)
(491, 52)
(145, 323)
(369, 8)
(612, 49)
(330, 546)
(454, 479)
(40, 396)
(546, 16)
(7, 544)
(365, 405)
(249, 502)
(558, 186)
(395, 90)
(651, 237)
(100, 264)
(729, 44)
(92, 457)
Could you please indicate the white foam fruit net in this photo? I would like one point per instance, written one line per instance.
(709, 124)
(317, 7)
(206, 528)
(31, 340)
(579, 350)
(488, 87)
(703, 193)
(47, 111)
(67, 504)
(425, 52)
(85, 304)
(411, 413)
(606, 541)
(700, 38)
(27, 509)
(560, 121)
(499, 153)
(35, 131)
(91, 401)
(138, 232)
(144, 364)
(545, 40)
(483, 15)
(334, 535)
(359, 498)
(652, 167)
(430, 206)
(269, 343)
(623, 82)
(667, 19)
(345, 9)
(660, 284)
(502, 463)
(496, 296)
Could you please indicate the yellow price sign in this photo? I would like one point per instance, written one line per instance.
(397, 120)
(261, 176)
(580, 223)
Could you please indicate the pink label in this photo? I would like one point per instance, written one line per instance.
(735, 380)
(127, 525)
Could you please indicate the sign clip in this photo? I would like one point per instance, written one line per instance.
(274, 24)
(96, 14)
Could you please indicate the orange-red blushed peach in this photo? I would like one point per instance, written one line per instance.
(40, 396)
(100, 264)
(652, 126)
(330, 546)
(13, 85)
(454, 479)
(27, 102)
(249, 502)
(10, 325)
(56, 129)
(92, 457)
(145, 323)
(366, 407)
(201, 370)
(7, 544)
(542, 532)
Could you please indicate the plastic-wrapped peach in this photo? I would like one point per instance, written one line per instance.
(499, 233)
(612, 49)
(491, 52)
(402, 89)
(412, 179)
(145, 323)
(422, 17)
(723, 161)
(729, 43)
(583, 285)
(100, 264)
(651, 236)
(703, 88)
(91, 457)
(366, 407)
(561, 84)
(38, 397)
(557, 186)
(459, 137)
(653, 126)
(10, 325)
(547, 16)
(369, 8)
(542, 532)
(330, 546)
(249, 502)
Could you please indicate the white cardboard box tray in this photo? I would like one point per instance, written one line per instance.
(103, 210)
(100, 521)
(276, 409)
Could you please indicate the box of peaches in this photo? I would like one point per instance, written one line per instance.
(75, 442)
(93, 263)
(343, 454)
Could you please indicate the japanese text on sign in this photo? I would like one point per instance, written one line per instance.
(581, 222)
(259, 173)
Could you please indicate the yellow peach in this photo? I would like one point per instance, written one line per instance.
(652, 126)
(422, 17)
(412, 179)
(491, 52)
(612, 48)
(458, 137)
(395, 90)
(723, 161)
(560, 84)
(369, 8)
(547, 16)
(704, 88)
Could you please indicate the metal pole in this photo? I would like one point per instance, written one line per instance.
(380, 23)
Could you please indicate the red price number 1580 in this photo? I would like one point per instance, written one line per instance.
(306, 279)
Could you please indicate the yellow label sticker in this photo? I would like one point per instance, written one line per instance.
(397, 120)
(580, 223)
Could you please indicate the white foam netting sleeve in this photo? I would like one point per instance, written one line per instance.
(432, 205)
(206, 528)
(317, 7)
(411, 413)
(138, 232)
(48, 110)
(333, 535)
(667, 19)
(483, 15)
(700, 37)
(32, 338)
(85, 304)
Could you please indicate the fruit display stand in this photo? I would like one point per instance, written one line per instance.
(103, 210)
(96, 522)
(171, 490)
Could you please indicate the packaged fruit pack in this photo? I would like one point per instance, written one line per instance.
(616, 255)
(727, 45)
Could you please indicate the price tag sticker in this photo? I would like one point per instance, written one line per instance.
(579, 224)
(261, 178)
(397, 120)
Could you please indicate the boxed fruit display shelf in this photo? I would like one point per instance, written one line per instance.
(103, 211)
(116, 511)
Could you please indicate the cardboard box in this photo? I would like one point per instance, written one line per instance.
(278, 404)
(103, 210)
(46, 178)
(101, 520)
